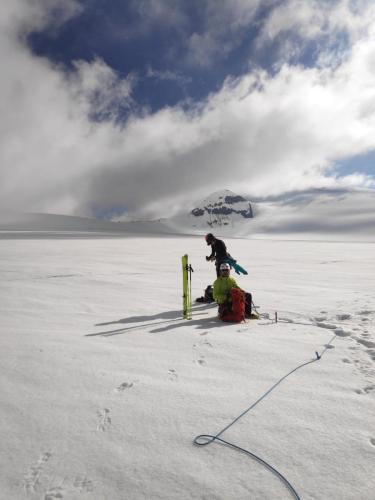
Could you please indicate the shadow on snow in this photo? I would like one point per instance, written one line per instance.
(174, 317)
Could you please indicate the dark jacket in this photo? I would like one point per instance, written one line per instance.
(219, 251)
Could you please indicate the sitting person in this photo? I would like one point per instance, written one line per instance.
(222, 287)
(234, 303)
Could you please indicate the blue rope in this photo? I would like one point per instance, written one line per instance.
(205, 439)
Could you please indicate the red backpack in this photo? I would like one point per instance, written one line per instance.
(237, 314)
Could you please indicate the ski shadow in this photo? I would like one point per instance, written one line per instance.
(170, 317)
(197, 324)
(167, 315)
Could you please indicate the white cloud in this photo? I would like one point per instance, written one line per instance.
(338, 213)
(319, 17)
(335, 26)
(259, 134)
(227, 22)
(19, 18)
(173, 76)
(99, 90)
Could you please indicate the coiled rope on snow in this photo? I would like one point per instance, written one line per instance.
(205, 439)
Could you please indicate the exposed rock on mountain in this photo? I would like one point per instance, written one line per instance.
(222, 208)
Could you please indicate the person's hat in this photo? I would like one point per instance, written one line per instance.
(224, 266)
(209, 238)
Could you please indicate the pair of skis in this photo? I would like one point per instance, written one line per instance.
(186, 287)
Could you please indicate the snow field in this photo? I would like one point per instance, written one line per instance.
(104, 386)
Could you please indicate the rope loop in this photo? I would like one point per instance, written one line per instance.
(204, 439)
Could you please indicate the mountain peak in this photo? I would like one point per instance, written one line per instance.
(222, 208)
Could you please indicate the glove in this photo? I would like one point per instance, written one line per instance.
(207, 258)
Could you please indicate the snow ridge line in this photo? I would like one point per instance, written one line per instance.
(205, 439)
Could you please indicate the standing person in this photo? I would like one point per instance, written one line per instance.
(218, 253)
(222, 287)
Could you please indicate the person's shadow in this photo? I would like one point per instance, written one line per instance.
(166, 317)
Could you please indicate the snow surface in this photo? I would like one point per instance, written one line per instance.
(104, 386)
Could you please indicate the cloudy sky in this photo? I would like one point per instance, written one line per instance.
(149, 105)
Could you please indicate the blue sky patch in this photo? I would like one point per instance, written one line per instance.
(364, 164)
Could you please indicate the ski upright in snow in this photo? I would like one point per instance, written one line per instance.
(186, 287)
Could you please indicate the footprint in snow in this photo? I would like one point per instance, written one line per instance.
(372, 441)
(83, 484)
(55, 492)
(172, 374)
(366, 343)
(201, 361)
(205, 342)
(80, 483)
(366, 390)
(340, 332)
(328, 326)
(105, 420)
(125, 385)
(32, 478)
(343, 317)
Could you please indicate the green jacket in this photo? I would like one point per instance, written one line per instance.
(222, 286)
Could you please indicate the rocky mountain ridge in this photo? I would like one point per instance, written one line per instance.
(222, 208)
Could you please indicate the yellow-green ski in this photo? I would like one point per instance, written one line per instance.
(186, 290)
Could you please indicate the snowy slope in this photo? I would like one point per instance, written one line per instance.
(47, 223)
(347, 215)
(104, 386)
